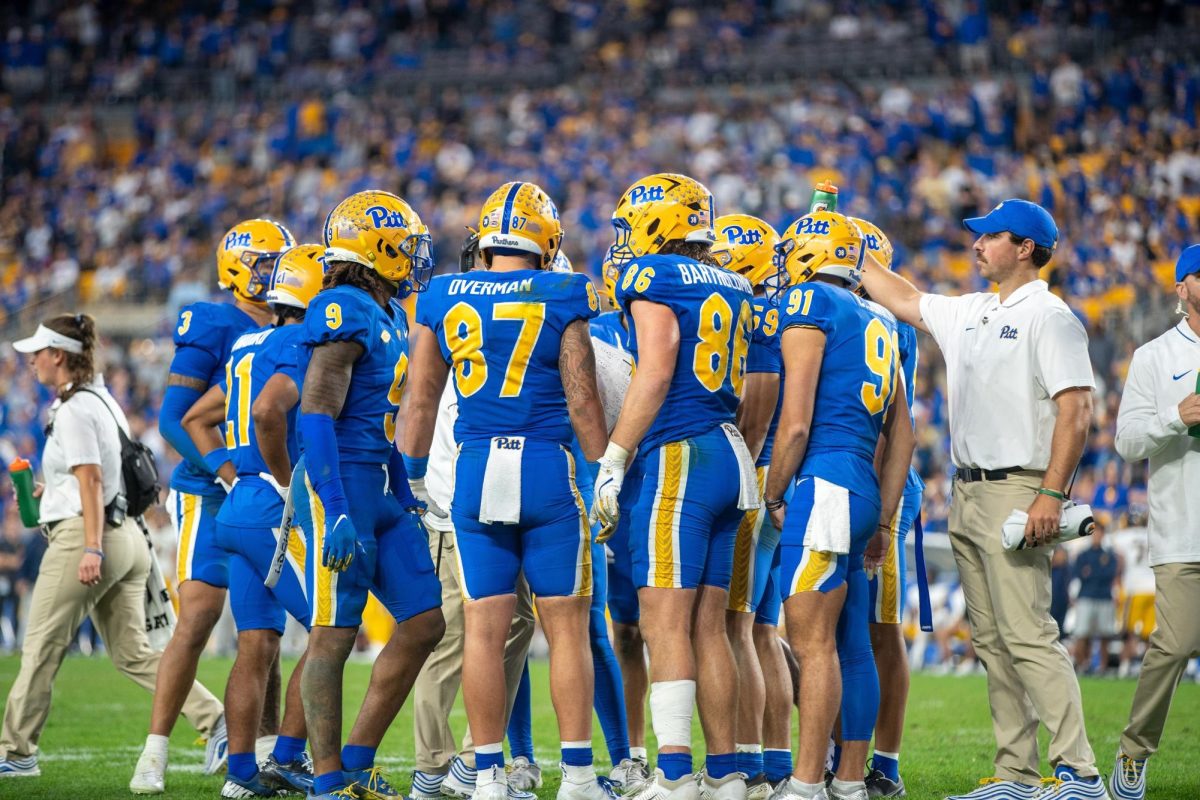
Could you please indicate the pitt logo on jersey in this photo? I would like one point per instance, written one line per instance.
(736, 234)
(646, 194)
(385, 218)
(237, 239)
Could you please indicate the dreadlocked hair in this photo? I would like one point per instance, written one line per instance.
(696, 251)
(81, 366)
(348, 273)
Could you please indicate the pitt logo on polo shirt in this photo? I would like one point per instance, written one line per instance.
(1008, 332)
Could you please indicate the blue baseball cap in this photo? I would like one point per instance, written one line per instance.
(1188, 263)
(1025, 219)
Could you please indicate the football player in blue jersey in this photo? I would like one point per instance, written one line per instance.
(888, 585)
(839, 397)
(350, 493)
(691, 332)
(516, 338)
(746, 245)
(611, 330)
(255, 405)
(203, 338)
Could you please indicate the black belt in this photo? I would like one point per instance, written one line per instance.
(973, 474)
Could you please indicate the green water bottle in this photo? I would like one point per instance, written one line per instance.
(21, 473)
(824, 198)
(1194, 431)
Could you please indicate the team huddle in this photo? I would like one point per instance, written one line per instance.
(649, 458)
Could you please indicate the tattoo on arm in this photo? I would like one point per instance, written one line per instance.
(328, 377)
(187, 382)
(577, 367)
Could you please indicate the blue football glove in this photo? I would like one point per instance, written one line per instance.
(341, 542)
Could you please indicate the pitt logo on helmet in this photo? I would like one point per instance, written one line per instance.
(521, 217)
(382, 232)
(247, 255)
(821, 243)
(875, 243)
(659, 209)
(746, 246)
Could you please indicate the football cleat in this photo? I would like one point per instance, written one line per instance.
(297, 276)
(880, 785)
(785, 791)
(149, 774)
(857, 791)
(247, 254)
(997, 789)
(758, 787)
(524, 775)
(337, 794)
(731, 787)
(1128, 781)
(382, 232)
(460, 782)
(658, 209)
(27, 767)
(660, 788)
(595, 789)
(216, 750)
(629, 775)
(821, 243)
(520, 216)
(369, 784)
(237, 789)
(746, 245)
(295, 776)
(493, 785)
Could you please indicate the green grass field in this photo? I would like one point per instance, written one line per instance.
(98, 721)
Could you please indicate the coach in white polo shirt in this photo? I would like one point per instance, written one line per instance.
(1159, 406)
(1020, 386)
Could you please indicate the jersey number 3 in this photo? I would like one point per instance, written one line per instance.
(463, 329)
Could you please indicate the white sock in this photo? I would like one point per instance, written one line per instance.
(638, 754)
(579, 774)
(805, 789)
(156, 744)
(847, 787)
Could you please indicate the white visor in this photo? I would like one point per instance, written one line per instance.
(43, 337)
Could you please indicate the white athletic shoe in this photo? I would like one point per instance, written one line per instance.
(595, 789)
(149, 774)
(1128, 781)
(731, 787)
(1074, 789)
(524, 775)
(857, 792)
(216, 751)
(659, 788)
(493, 785)
(17, 767)
(997, 789)
(630, 775)
(785, 791)
(460, 782)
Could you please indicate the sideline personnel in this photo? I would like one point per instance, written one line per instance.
(1020, 385)
(1158, 407)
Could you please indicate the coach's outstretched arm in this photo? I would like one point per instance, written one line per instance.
(893, 292)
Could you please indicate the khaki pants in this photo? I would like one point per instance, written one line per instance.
(437, 684)
(58, 606)
(1029, 674)
(1173, 643)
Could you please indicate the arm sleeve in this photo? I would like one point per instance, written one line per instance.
(398, 480)
(1060, 348)
(1142, 428)
(78, 435)
(321, 463)
(175, 403)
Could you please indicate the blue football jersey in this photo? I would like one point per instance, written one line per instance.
(203, 338)
(257, 356)
(765, 357)
(501, 332)
(856, 384)
(366, 427)
(713, 307)
(607, 328)
(906, 338)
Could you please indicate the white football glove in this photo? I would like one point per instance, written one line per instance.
(417, 487)
(270, 479)
(605, 509)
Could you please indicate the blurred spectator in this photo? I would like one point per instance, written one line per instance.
(1098, 570)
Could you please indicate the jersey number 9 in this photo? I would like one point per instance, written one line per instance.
(723, 344)
(881, 361)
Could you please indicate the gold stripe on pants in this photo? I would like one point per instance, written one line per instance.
(1030, 676)
(438, 682)
(58, 606)
(1175, 641)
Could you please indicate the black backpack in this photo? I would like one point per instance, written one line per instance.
(139, 471)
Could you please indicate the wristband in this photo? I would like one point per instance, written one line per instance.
(214, 459)
(1051, 493)
(615, 453)
(415, 467)
(94, 551)
(774, 505)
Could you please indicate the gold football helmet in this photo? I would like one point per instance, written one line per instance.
(297, 276)
(875, 243)
(246, 256)
(381, 231)
(746, 245)
(820, 243)
(658, 209)
(520, 216)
